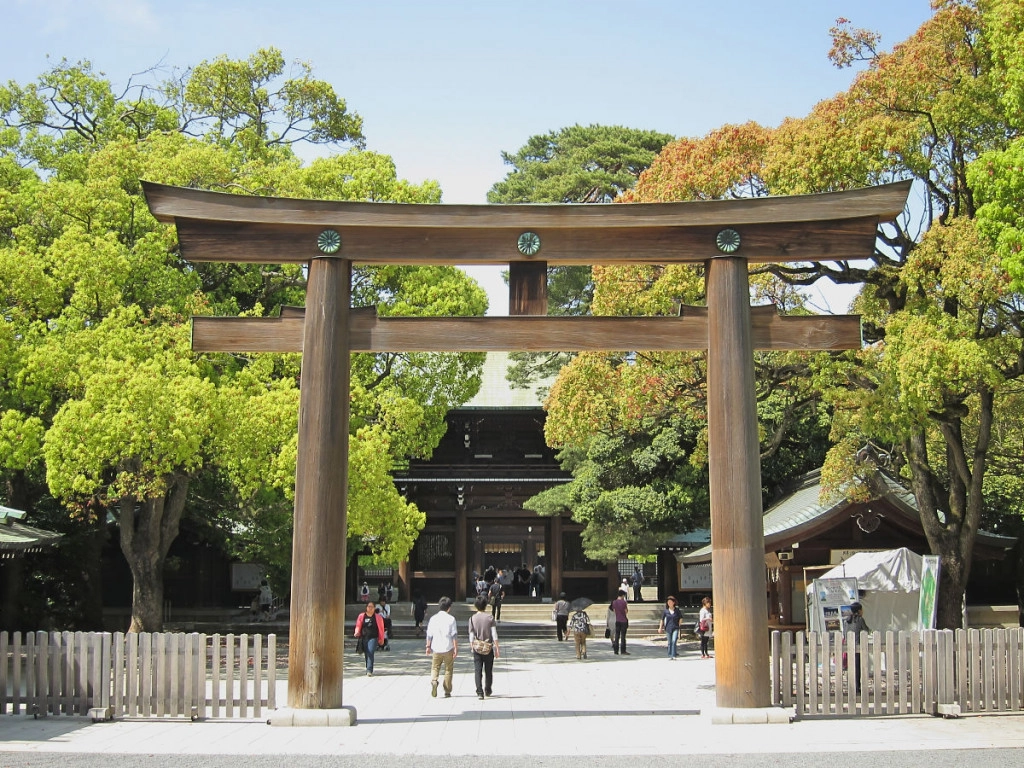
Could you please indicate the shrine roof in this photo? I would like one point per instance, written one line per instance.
(17, 537)
(803, 508)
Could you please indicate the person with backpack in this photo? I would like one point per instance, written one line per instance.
(579, 625)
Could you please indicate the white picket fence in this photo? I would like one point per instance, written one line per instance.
(168, 674)
(939, 672)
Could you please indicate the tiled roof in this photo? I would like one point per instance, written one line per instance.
(803, 507)
(18, 537)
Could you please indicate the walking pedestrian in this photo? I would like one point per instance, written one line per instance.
(857, 624)
(670, 618)
(266, 600)
(442, 645)
(369, 632)
(638, 584)
(496, 593)
(483, 639)
(384, 610)
(580, 627)
(705, 626)
(419, 612)
(561, 612)
(621, 610)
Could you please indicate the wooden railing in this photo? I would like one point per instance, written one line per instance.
(105, 675)
(939, 672)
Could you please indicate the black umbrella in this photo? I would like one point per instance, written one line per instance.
(581, 603)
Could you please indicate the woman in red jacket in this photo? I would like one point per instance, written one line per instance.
(370, 631)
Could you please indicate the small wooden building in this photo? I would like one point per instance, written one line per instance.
(804, 537)
(17, 539)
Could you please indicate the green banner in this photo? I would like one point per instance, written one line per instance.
(929, 591)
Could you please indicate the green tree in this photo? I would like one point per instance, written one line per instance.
(632, 427)
(99, 384)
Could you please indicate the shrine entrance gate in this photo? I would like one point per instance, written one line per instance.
(330, 236)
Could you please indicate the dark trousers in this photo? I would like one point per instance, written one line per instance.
(704, 638)
(560, 623)
(619, 640)
(483, 672)
(496, 609)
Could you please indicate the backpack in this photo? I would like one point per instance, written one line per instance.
(580, 622)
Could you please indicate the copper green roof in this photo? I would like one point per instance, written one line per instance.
(18, 538)
(803, 508)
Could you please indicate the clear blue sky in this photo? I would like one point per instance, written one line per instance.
(444, 87)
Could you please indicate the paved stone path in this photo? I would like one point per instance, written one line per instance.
(545, 704)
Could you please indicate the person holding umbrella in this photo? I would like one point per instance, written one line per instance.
(579, 625)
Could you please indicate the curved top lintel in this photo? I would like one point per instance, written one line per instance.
(169, 203)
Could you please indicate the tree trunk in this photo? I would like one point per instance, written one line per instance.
(949, 613)
(91, 595)
(148, 528)
(951, 511)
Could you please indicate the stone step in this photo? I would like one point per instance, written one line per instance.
(518, 620)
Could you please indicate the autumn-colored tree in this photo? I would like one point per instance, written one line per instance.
(939, 310)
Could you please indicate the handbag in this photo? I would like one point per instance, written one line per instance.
(702, 626)
(360, 645)
(554, 614)
(482, 647)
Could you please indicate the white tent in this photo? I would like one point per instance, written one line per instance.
(890, 583)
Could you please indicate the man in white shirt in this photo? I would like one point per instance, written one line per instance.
(443, 645)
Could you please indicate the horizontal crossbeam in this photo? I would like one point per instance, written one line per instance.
(370, 333)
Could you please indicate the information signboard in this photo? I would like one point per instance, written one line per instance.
(832, 600)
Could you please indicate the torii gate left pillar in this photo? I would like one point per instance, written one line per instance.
(317, 631)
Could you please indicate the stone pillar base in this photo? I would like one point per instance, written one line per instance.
(289, 717)
(758, 715)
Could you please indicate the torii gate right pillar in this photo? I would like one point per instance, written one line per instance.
(737, 531)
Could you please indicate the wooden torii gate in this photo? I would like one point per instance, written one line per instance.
(330, 236)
